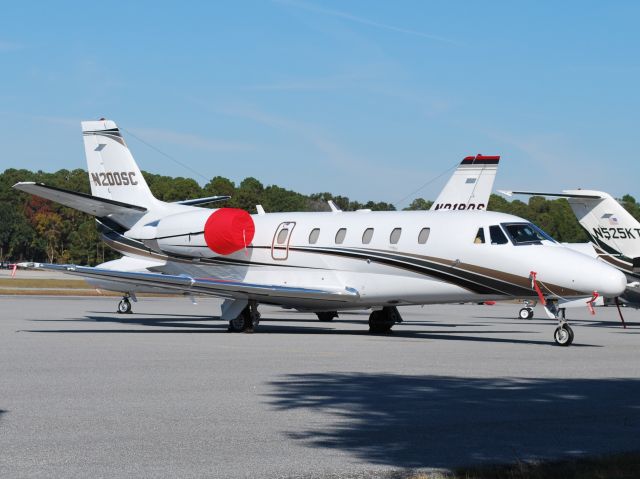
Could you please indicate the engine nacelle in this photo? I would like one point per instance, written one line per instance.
(223, 231)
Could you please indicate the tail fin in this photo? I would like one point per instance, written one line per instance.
(470, 185)
(607, 222)
(113, 173)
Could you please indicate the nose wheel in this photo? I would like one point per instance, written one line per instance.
(563, 335)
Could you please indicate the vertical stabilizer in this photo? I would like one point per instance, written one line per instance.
(606, 221)
(470, 185)
(113, 173)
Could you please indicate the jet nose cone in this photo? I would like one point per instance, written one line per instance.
(613, 283)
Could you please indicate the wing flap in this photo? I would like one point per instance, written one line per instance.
(210, 286)
(89, 204)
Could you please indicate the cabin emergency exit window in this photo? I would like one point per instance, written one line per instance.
(497, 236)
(479, 236)
(282, 236)
(423, 236)
(342, 232)
(367, 235)
(394, 237)
(313, 236)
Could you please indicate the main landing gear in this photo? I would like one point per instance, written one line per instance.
(247, 320)
(382, 320)
(326, 316)
(124, 306)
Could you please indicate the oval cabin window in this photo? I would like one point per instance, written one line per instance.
(394, 237)
(314, 235)
(342, 232)
(282, 236)
(423, 236)
(367, 235)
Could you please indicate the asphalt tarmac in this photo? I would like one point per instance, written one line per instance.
(167, 392)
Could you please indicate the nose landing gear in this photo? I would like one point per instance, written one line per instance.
(563, 334)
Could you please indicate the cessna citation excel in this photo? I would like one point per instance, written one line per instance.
(319, 262)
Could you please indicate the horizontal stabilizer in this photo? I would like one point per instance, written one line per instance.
(210, 286)
(202, 201)
(559, 195)
(92, 205)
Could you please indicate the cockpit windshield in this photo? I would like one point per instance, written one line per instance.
(526, 233)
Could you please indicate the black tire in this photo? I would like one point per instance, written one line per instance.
(379, 323)
(530, 315)
(124, 306)
(326, 316)
(523, 313)
(238, 324)
(563, 335)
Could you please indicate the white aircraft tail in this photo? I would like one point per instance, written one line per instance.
(470, 186)
(113, 173)
(606, 221)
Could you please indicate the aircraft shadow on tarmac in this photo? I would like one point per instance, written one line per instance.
(439, 421)
(173, 324)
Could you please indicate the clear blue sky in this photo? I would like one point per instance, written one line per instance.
(369, 99)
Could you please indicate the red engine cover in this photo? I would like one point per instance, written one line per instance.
(228, 230)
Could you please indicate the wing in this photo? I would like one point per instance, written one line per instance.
(210, 286)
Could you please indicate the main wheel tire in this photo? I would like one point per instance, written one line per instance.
(523, 313)
(124, 306)
(563, 335)
(530, 315)
(326, 316)
(379, 323)
(238, 324)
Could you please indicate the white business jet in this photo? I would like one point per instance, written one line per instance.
(319, 262)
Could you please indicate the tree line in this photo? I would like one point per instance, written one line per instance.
(33, 229)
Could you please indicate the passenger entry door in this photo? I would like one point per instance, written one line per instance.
(281, 238)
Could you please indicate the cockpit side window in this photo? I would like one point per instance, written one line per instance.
(526, 233)
(479, 236)
(497, 236)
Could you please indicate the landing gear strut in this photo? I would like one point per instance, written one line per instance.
(381, 321)
(247, 320)
(327, 315)
(124, 306)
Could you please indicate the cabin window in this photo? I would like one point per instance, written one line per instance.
(497, 236)
(313, 236)
(423, 236)
(479, 236)
(342, 232)
(282, 236)
(367, 235)
(394, 237)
